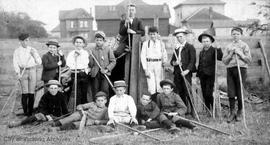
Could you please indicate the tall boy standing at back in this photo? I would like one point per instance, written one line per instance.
(25, 60)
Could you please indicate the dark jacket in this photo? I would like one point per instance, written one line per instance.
(188, 59)
(50, 67)
(150, 110)
(207, 61)
(171, 103)
(53, 105)
(105, 58)
(136, 25)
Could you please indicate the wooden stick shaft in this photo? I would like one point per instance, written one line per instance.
(265, 58)
(138, 131)
(186, 84)
(75, 85)
(241, 90)
(215, 87)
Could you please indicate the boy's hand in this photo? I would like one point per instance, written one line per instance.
(111, 121)
(185, 72)
(59, 63)
(96, 122)
(104, 71)
(172, 113)
(60, 52)
(79, 107)
(148, 120)
(134, 120)
(32, 52)
(131, 31)
(143, 121)
(239, 52)
(147, 74)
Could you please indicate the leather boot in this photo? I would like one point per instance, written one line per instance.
(24, 103)
(232, 116)
(30, 105)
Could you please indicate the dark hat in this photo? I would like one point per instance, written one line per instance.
(153, 29)
(207, 35)
(23, 36)
(100, 34)
(166, 82)
(100, 93)
(80, 37)
(237, 29)
(179, 30)
(53, 42)
(131, 5)
(120, 83)
(53, 82)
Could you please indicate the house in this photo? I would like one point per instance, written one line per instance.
(199, 15)
(55, 32)
(75, 22)
(108, 17)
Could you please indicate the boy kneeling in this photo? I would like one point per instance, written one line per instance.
(52, 105)
(148, 112)
(171, 106)
(122, 108)
(96, 113)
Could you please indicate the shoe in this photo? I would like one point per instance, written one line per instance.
(111, 125)
(232, 117)
(174, 129)
(14, 124)
(53, 129)
(239, 115)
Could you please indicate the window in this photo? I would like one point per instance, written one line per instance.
(81, 24)
(71, 24)
(84, 34)
(85, 24)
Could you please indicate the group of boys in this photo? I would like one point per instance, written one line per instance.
(171, 98)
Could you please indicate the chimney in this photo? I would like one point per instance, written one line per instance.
(165, 8)
(210, 13)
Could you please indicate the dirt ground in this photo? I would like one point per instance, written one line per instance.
(257, 116)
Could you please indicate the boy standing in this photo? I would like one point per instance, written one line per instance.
(105, 57)
(153, 59)
(51, 62)
(236, 50)
(122, 108)
(96, 112)
(186, 58)
(25, 60)
(78, 59)
(148, 112)
(52, 104)
(171, 106)
(206, 68)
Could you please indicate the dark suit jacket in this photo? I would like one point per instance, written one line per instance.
(188, 59)
(207, 61)
(50, 67)
(105, 58)
(136, 25)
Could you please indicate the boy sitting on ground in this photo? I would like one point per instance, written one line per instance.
(171, 106)
(96, 114)
(148, 112)
(52, 105)
(122, 108)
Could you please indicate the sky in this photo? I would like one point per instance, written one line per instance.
(47, 11)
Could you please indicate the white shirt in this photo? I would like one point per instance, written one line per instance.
(180, 46)
(22, 58)
(123, 105)
(82, 59)
(156, 50)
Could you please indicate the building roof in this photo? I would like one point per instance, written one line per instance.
(204, 14)
(143, 11)
(77, 13)
(56, 29)
(135, 2)
(200, 2)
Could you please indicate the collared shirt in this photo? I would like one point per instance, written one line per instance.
(171, 103)
(94, 112)
(242, 46)
(22, 58)
(82, 59)
(180, 46)
(150, 110)
(122, 106)
(153, 50)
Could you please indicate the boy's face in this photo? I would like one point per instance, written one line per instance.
(181, 37)
(236, 35)
(99, 42)
(53, 89)
(145, 99)
(52, 49)
(24, 42)
(101, 101)
(119, 91)
(79, 43)
(167, 89)
(206, 42)
(153, 35)
(132, 11)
